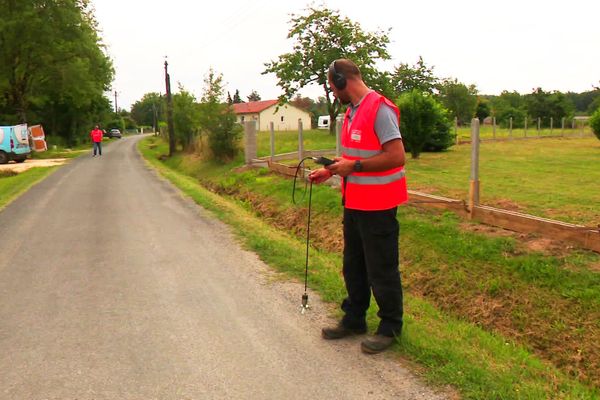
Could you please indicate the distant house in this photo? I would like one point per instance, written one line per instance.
(284, 118)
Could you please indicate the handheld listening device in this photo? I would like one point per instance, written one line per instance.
(323, 160)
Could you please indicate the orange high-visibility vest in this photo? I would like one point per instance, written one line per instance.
(369, 190)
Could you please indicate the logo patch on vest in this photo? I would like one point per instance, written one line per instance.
(355, 135)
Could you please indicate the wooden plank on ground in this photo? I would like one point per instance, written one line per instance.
(420, 199)
(524, 223)
(282, 169)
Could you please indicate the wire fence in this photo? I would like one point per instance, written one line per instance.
(527, 128)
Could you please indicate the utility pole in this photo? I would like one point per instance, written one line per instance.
(169, 111)
(116, 107)
(154, 122)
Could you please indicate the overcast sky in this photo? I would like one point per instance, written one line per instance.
(508, 45)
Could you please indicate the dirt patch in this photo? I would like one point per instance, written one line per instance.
(524, 242)
(487, 230)
(595, 267)
(548, 246)
(24, 166)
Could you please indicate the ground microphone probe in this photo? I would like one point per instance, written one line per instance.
(319, 160)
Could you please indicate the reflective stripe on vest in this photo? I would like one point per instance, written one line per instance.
(359, 153)
(375, 180)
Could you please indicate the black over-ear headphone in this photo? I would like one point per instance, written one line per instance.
(338, 79)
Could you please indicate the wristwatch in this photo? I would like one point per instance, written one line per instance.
(357, 166)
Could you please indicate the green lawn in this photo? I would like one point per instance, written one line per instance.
(287, 141)
(483, 314)
(552, 177)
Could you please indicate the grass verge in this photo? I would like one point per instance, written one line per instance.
(61, 152)
(13, 185)
(480, 362)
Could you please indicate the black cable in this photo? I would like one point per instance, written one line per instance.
(300, 164)
(307, 236)
(304, 306)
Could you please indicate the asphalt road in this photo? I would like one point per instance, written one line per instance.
(113, 286)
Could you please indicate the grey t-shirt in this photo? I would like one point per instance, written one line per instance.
(386, 122)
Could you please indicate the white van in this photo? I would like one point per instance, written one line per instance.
(14, 143)
(323, 122)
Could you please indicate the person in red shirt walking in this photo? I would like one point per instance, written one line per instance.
(96, 135)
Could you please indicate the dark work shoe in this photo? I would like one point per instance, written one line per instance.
(376, 344)
(340, 331)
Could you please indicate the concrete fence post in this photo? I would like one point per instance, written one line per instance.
(300, 141)
(525, 129)
(494, 127)
(510, 128)
(562, 127)
(474, 182)
(456, 129)
(338, 136)
(250, 145)
(272, 130)
(539, 126)
(551, 125)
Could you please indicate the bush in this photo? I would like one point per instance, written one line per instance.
(595, 123)
(424, 123)
(223, 132)
(224, 137)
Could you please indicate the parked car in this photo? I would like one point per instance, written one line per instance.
(115, 133)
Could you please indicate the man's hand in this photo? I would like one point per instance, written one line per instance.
(342, 167)
(319, 175)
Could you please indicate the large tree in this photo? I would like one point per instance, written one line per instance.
(149, 110)
(546, 105)
(217, 120)
(237, 98)
(459, 99)
(54, 67)
(186, 118)
(254, 96)
(321, 36)
(406, 78)
(509, 105)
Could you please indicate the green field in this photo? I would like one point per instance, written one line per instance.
(483, 313)
(555, 178)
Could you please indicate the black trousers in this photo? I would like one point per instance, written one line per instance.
(371, 263)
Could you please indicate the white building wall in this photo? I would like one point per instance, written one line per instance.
(285, 119)
(241, 118)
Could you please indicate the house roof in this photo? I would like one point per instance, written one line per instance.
(253, 107)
